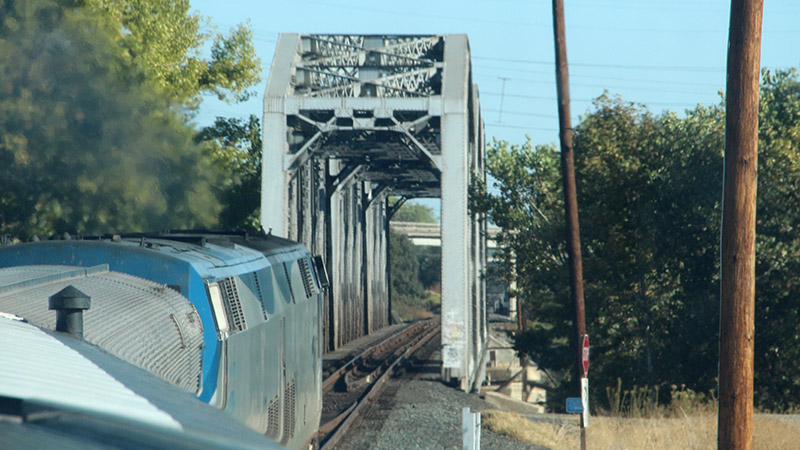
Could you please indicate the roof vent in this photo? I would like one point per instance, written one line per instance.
(69, 304)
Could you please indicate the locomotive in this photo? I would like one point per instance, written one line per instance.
(232, 318)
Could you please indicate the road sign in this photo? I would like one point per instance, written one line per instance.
(574, 405)
(585, 354)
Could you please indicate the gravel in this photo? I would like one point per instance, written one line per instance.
(417, 411)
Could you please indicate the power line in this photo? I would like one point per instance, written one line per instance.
(608, 66)
(595, 77)
(611, 87)
(585, 100)
(519, 127)
(394, 12)
(531, 97)
(520, 113)
(502, 97)
(639, 6)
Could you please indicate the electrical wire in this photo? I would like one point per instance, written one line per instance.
(593, 77)
(579, 100)
(607, 66)
(519, 127)
(519, 113)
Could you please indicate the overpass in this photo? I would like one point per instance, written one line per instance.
(350, 120)
(430, 234)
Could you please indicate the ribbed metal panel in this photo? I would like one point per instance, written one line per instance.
(15, 275)
(257, 285)
(38, 367)
(233, 305)
(274, 418)
(144, 323)
(289, 281)
(289, 412)
(308, 280)
(19, 278)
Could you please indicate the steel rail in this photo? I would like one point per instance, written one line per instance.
(342, 423)
(331, 381)
(354, 379)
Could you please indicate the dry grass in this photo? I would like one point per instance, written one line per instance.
(417, 309)
(698, 432)
(521, 429)
(772, 432)
(411, 312)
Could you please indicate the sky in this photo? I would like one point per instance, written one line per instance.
(665, 54)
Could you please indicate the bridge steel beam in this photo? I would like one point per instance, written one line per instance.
(463, 321)
(350, 120)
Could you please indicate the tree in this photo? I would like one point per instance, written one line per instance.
(429, 259)
(415, 212)
(639, 220)
(404, 267)
(649, 189)
(84, 147)
(430, 267)
(236, 149)
(777, 353)
(163, 39)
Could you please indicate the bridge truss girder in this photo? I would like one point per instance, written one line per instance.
(350, 120)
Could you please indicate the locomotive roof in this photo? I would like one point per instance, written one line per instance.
(69, 393)
(211, 253)
(264, 243)
(123, 308)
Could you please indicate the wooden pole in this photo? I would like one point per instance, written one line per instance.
(735, 419)
(570, 193)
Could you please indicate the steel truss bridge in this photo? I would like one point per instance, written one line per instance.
(350, 120)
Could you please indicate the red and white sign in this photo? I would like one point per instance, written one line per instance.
(585, 354)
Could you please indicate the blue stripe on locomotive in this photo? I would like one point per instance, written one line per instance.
(185, 265)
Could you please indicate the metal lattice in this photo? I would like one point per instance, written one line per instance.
(289, 419)
(289, 281)
(368, 66)
(372, 116)
(274, 418)
(308, 279)
(233, 305)
(259, 294)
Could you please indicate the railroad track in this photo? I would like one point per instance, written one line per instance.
(347, 390)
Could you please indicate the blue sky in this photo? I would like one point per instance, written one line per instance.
(668, 55)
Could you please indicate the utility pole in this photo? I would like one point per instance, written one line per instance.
(502, 97)
(570, 197)
(737, 329)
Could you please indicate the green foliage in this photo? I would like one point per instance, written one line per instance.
(430, 267)
(235, 146)
(404, 267)
(415, 212)
(777, 342)
(649, 193)
(234, 66)
(85, 147)
(415, 277)
(163, 39)
(429, 259)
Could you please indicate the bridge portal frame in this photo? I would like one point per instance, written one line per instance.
(349, 120)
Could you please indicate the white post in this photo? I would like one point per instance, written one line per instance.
(471, 429)
(274, 180)
(585, 401)
(458, 358)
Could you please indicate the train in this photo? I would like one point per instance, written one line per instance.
(231, 318)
